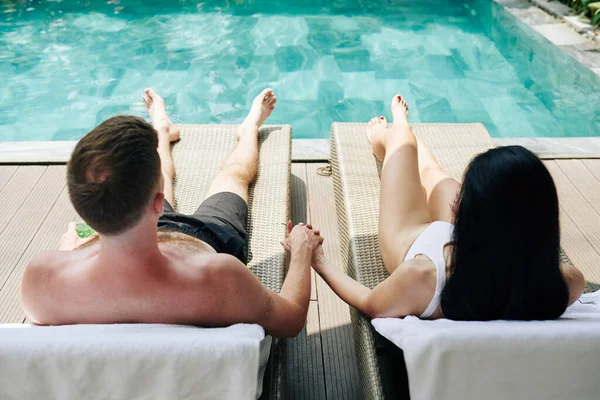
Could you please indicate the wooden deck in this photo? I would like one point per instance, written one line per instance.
(321, 361)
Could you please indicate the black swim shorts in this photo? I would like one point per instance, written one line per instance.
(220, 221)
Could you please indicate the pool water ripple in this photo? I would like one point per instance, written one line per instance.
(67, 66)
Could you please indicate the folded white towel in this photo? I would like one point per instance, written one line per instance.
(502, 359)
(129, 361)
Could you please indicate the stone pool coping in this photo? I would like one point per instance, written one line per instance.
(560, 25)
(59, 152)
(545, 148)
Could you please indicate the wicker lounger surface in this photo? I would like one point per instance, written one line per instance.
(356, 185)
(198, 157)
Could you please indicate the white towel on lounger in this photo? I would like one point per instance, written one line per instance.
(502, 360)
(129, 361)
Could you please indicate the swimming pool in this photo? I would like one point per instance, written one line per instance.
(66, 66)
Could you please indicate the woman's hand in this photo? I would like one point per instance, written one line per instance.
(70, 240)
(319, 261)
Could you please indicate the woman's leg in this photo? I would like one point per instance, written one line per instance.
(440, 188)
(403, 211)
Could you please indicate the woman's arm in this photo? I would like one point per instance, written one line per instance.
(575, 282)
(349, 290)
(403, 293)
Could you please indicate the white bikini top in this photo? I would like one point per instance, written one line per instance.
(431, 243)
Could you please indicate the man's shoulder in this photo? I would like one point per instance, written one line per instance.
(38, 279)
(47, 262)
(220, 272)
(215, 262)
(43, 268)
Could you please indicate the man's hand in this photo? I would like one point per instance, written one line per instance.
(70, 240)
(302, 238)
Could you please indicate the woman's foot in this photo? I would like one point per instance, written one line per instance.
(155, 105)
(376, 130)
(262, 107)
(378, 127)
(399, 110)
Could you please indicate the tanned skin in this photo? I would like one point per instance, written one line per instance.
(145, 276)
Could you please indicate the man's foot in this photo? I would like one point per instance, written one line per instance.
(399, 109)
(262, 107)
(376, 130)
(155, 105)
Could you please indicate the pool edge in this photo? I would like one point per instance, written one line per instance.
(562, 27)
(305, 150)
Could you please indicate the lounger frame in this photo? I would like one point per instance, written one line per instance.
(356, 177)
(198, 158)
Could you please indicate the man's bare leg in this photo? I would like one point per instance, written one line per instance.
(167, 133)
(240, 167)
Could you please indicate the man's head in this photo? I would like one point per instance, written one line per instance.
(114, 174)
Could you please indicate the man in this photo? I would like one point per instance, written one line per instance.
(188, 271)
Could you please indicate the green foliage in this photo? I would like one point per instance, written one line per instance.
(595, 12)
(588, 8)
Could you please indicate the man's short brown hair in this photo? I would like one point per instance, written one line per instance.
(113, 173)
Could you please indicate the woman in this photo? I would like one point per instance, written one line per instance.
(484, 251)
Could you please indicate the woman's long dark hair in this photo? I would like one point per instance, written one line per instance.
(506, 243)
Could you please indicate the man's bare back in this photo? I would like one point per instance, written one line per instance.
(147, 275)
(178, 290)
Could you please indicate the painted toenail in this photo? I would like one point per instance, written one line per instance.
(381, 117)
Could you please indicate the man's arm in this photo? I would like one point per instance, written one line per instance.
(281, 314)
(240, 297)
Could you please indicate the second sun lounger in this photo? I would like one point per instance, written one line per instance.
(356, 175)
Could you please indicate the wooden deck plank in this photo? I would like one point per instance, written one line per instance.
(46, 238)
(305, 376)
(16, 189)
(585, 218)
(6, 172)
(305, 380)
(339, 352)
(18, 234)
(583, 179)
(593, 166)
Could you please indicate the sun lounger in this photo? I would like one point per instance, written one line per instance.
(197, 157)
(498, 360)
(356, 176)
(203, 148)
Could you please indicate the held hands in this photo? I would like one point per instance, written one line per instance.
(304, 237)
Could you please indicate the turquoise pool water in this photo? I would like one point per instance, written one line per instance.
(67, 65)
